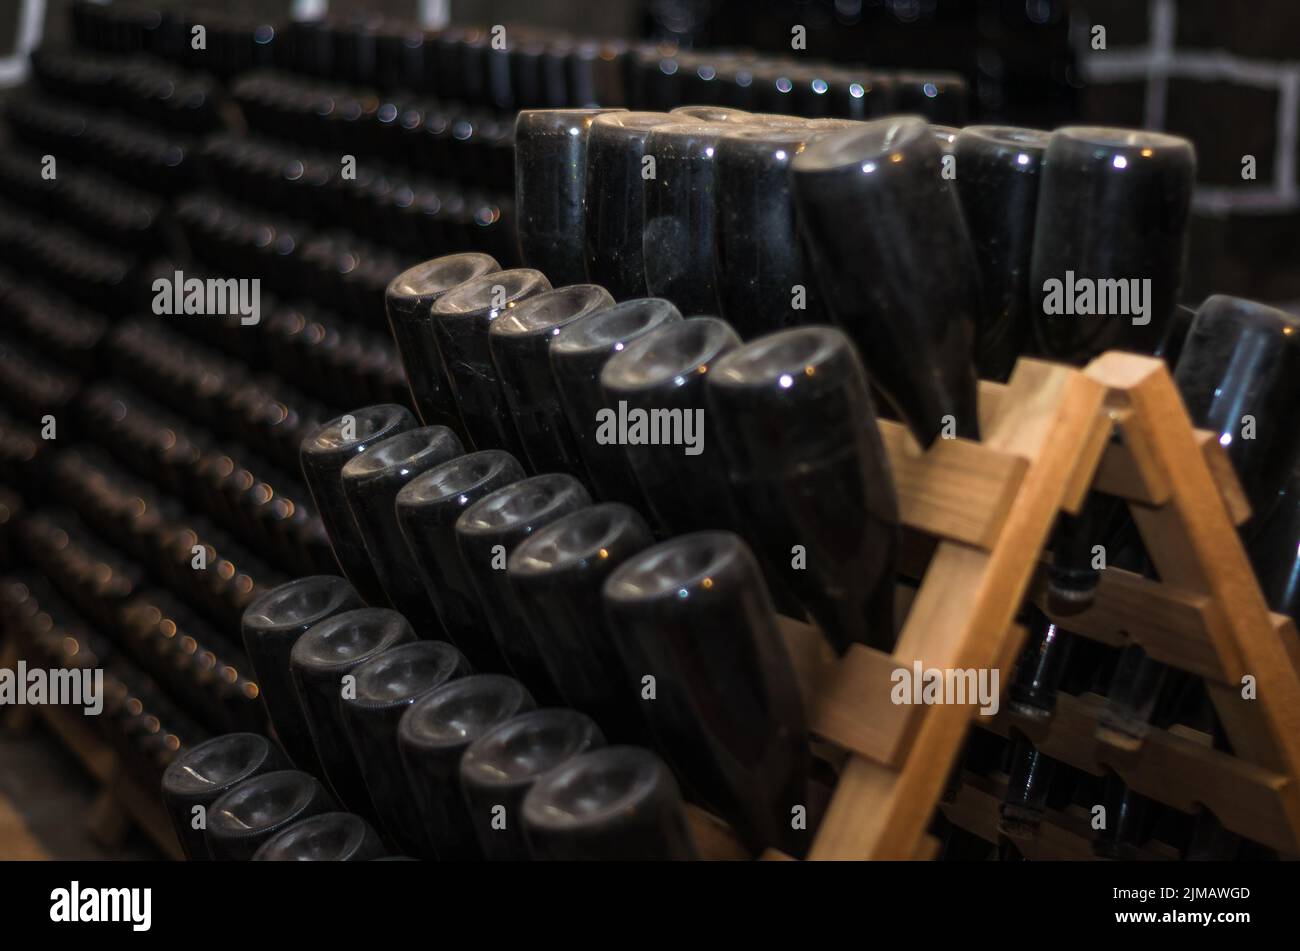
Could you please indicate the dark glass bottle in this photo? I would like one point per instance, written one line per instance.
(371, 482)
(616, 804)
(683, 481)
(258, 808)
(678, 237)
(812, 89)
(1239, 375)
(940, 97)
(386, 685)
(762, 275)
(615, 204)
(1113, 205)
(998, 169)
(1210, 841)
(557, 575)
(319, 661)
(328, 837)
(1041, 667)
(715, 114)
(271, 625)
(595, 72)
(323, 455)
(1275, 552)
(461, 319)
(501, 766)
(578, 354)
(520, 342)
(878, 215)
(810, 481)
(433, 735)
(859, 95)
(1171, 347)
(694, 614)
(202, 774)
(409, 301)
(1132, 698)
(486, 533)
(1129, 821)
(946, 136)
(735, 78)
(427, 508)
(774, 85)
(1072, 577)
(1029, 787)
(551, 188)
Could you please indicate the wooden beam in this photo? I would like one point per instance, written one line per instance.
(1170, 624)
(958, 490)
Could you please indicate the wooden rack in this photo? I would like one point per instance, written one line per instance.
(976, 518)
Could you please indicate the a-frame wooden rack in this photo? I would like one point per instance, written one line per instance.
(977, 517)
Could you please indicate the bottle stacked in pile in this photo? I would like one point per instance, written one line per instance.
(165, 492)
(184, 435)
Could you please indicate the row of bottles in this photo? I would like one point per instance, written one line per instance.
(516, 66)
(141, 154)
(142, 723)
(112, 211)
(482, 370)
(153, 567)
(425, 137)
(772, 221)
(155, 92)
(395, 208)
(448, 763)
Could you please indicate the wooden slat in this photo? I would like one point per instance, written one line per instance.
(1129, 472)
(847, 700)
(1172, 767)
(1062, 835)
(991, 396)
(1225, 476)
(1090, 456)
(958, 489)
(1128, 468)
(1170, 624)
(714, 839)
(928, 849)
